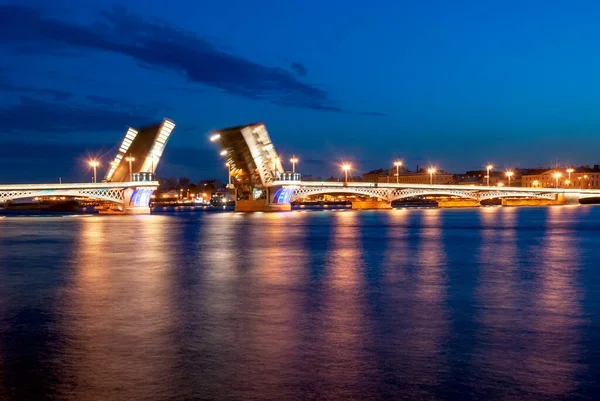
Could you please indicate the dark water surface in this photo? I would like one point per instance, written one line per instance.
(490, 303)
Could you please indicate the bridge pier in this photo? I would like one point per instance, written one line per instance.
(454, 203)
(371, 205)
(561, 199)
(261, 205)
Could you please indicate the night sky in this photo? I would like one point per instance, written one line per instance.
(455, 84)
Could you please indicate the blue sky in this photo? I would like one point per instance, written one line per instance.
(454, 84)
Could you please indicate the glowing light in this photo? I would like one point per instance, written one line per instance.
(223, 153)
(94, 163)
(500, 184)
(346, 167)
(293, 160)
(215, 137)
(130, 159)
(398, 163)
(431, 170)
(557, 175)
(535, 183)
(489, 166)
(570, 170)
(510, 173)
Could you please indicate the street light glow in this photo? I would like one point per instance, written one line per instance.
(293, 160)
(570, 170)
(510, 173)
(489, 167)
(346, 167)
(431, 171)
(398, 163)
(557, 175)
(215, 137)
(223, 153)
(94, 163)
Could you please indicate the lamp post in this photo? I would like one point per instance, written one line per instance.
(294, 160)
(431, 172)
(228, 165)
(569, 171)
(130, 159)
(489, 167)
(509, 175)
(346, 167)
(94, 164)
(556, 176)
(397, 163)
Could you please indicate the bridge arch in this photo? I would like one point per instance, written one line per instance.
(114, 195)
(302, 192)
(409, 193)
(498, 195)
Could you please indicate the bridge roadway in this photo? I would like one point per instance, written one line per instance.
(125, 197)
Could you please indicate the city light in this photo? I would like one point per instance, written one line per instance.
(556, 176)
(294, 160)
(130, 159)
(500, 184)
(223, 153)
(397, 163)
(346, 167)
(94, 164)
(215, 137)
(569, 171)
(535, 183)
(509, 175)
(431, 172)
(489, 167)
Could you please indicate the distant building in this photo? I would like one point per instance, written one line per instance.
(406, 177)
(581, 177)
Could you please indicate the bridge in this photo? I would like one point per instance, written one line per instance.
(129, 182)
(261, 184)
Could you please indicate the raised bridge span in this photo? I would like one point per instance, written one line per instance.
(261, 184)
(128, 184)
(127, 197)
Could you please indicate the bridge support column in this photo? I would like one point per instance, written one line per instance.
(263, 205)
(453, 203)
(137, 200)
(561, 199)
(371, 205)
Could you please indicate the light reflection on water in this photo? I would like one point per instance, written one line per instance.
(493, 303)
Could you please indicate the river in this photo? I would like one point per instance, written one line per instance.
(487, 303)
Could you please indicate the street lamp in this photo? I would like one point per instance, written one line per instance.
(293, 160)
(569, 171)
(130, 159)
(346, 167)
(431, 172)
(556, 176)
(567, 182)
(509, 175)
(535, 183)
(94, 164)
(228, 165)
(397, 163)
(489, 167)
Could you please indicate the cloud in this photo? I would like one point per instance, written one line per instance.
(37, 117)
(161, 46)
(56, 94)
(299, 69)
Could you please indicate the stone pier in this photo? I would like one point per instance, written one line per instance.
(371, 205)
(454, 203)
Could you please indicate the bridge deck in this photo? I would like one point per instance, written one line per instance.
(78, 185)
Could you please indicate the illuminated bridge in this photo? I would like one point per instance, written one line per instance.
(128, 184)
(261, 184)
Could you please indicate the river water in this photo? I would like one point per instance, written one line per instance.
(489, 303)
